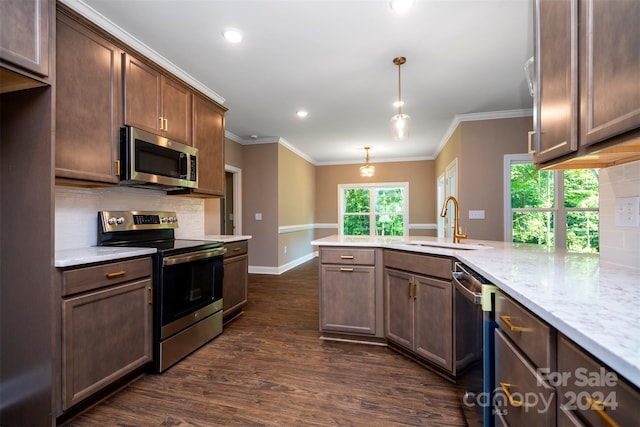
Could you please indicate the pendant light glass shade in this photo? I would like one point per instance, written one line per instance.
(367, 170)
(400, 122)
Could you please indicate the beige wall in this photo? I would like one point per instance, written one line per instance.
(422, 190)
(233, 153)
(480, 147)
(296, 205)
(260, 195)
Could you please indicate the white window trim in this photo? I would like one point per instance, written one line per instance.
(559, 210)
(405, 187)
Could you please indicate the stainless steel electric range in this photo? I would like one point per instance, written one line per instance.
(187, 280)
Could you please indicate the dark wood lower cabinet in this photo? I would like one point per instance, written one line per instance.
(235, 283)
(106, 331)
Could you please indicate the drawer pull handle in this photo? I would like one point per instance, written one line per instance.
(346, 256)
(115, 274)
(512, 401)
(236, 249)
(507, 321)
(150, 295)
(349, 270)
(599, 408)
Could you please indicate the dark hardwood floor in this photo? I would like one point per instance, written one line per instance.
(269, 368)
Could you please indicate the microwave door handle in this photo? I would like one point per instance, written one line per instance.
(184, 166)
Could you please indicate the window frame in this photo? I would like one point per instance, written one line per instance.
(372, 187)
(559, 209)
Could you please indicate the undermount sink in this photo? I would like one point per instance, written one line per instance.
(447, 245)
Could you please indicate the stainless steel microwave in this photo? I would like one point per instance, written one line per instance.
(149, 160)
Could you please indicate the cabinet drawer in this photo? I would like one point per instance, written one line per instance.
(420, 264)
(236, 248)
(349, 256)
(523, 397)
(98, 276)
(592, 392)
(532, 335)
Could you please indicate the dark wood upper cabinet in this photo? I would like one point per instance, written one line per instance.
(156, 103)
(208, 138)
(557, 59)
(588, 99)
(609, 68)
(24, 34)
(88, 104)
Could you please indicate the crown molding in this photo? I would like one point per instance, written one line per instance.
(470, 117)
(97, 18)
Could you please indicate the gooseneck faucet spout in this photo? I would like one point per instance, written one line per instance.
(456, 232)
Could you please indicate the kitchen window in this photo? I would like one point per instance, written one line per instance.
(373, 209)
(554, 208)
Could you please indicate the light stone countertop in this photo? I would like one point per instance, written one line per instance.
(595, 304)
(91, 254)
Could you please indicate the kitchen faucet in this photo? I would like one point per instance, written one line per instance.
(456, 234)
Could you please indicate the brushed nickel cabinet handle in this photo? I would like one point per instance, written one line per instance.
(150, 295)
(415, 291)
(115, 274)
(236, 249)
(166, 125)
(507, 321)
(409, 288)
(346, 269)
(346, 256)
(161, 123)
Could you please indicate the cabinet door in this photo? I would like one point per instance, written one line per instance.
(557, 57)
(142, 86)
(610, 68)
(105, 335)
(434, 320)
(176, 111)
(234, 286)
(88, 104)
(348, 299)
(399, 307)
(208, 138)
(24, 34)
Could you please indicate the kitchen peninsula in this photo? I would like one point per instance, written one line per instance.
(593, 303)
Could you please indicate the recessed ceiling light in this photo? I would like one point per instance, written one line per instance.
(400, 5)
(302, 114)
(232, 35)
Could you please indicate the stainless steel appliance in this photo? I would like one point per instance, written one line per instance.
(474, 297)
(187, 280)
(149, 160)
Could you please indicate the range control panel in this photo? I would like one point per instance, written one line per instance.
(136, 220)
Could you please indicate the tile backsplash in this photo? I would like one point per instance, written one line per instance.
(77, 211)
(619, 245)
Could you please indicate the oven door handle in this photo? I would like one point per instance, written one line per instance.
(193, 256)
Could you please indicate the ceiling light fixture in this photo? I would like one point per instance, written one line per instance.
(302, 114)
(232, 35)
(367, 170)
(400, 5)
(400, 122)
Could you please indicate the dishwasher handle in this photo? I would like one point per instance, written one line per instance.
(475, 298)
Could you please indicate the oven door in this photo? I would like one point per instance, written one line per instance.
(189, 289)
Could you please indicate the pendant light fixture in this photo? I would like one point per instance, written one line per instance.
(367, 170)
(400, 121)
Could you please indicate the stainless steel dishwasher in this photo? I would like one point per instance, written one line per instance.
(474, 300)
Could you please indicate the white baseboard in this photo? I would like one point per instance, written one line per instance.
(256, 269)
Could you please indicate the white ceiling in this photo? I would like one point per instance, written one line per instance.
(334, 59)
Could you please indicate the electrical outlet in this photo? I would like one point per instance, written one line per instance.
(476, 214)
(628, 212)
